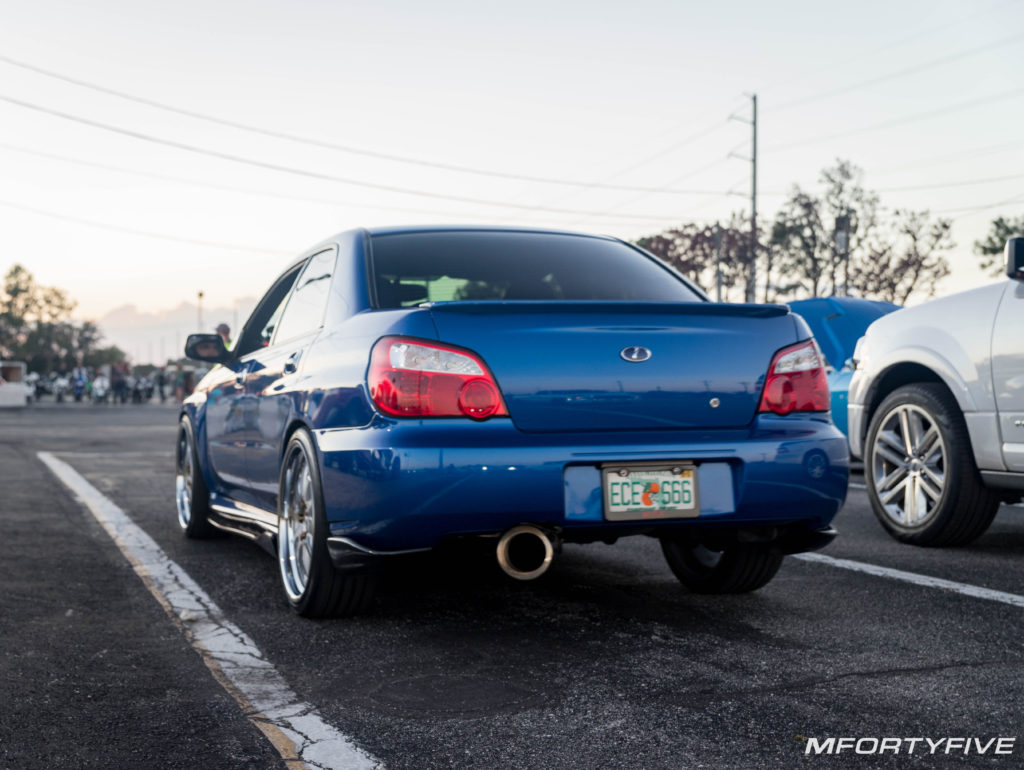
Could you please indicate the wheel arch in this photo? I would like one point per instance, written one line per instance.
(909, 372)
(293, 426)
(919, 366)
(196, 417)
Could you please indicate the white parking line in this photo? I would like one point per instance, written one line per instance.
(912, 577)
(855, 485)
(294, 728)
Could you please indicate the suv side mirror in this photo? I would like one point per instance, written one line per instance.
(1013, 258)
(206, 347)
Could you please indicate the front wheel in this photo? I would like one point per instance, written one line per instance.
(192, 497)
(733, 569)
(312, 585)
(922, 482)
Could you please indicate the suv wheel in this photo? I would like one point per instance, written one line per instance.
(920, 473)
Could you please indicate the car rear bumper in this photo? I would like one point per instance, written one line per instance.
(408, 485)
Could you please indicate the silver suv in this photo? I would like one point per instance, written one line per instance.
(936, 411)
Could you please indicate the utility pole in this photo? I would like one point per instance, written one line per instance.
(751, 291)
(199, 311)
(842, 238)
(752, 279)
(718, 262)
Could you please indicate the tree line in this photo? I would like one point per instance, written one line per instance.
(836, 240)
(36, 327)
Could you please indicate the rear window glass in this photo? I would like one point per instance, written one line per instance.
(411, 268)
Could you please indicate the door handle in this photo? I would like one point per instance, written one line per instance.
(290, 364)
(240, 379)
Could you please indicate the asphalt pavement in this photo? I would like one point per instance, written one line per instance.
(606, 662)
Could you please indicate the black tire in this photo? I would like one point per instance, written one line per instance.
(192, 497)
(944, 501)
(312, 585)
(739, 568)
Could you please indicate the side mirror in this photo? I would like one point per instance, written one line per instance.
(206, 347)
(1013, 258)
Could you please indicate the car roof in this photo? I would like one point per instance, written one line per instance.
(409, 229)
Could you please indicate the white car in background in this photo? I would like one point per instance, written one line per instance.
(936, 410)
(14, 389)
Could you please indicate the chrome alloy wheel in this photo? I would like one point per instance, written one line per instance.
(297, 525)
(908, 466)
(183, 479)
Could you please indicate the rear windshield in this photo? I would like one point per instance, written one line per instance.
(411, 268)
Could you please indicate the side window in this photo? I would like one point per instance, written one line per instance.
(305, 310)
(259, 329)
(267, 332)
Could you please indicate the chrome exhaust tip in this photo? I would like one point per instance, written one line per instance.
(525, 552)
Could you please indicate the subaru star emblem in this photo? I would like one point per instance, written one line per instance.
(635, 354)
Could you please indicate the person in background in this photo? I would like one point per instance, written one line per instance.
(161, 383)
(118, 384)
(225, 334)
(179, 384)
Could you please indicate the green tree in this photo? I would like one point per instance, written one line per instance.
(36, 326)
(843, 242)
(990, 250)
(908, 260)
(692, 250)
(839, 240)
(816, 238)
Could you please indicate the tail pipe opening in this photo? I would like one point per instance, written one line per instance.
(525, 552)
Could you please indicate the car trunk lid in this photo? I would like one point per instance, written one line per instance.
(575, 366)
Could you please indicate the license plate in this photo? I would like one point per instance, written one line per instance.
(635, 492)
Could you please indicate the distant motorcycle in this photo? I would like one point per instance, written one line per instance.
(100, 390)
(79, 388)
(60, 388)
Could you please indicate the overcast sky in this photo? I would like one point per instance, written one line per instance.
(927, 97)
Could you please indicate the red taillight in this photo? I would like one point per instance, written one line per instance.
(413, 378)
(796, 381)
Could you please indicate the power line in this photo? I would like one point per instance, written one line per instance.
(146, 233)
(231, 188)
(635, 198)
(972, 210)
(296, 171)
(661, 153)
(963, 155)
(962, 183)
(899, 43)
(900, 73)
(897, 122)
(356, 150)
(934, 185)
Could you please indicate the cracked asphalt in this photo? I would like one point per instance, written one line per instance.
(604, 663)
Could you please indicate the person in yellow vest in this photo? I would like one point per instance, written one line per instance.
(225, 333)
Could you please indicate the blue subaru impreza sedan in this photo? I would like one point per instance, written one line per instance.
(399, 388)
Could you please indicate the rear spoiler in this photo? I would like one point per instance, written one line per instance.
(524, 307)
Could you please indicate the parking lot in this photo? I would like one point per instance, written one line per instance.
(605, 662)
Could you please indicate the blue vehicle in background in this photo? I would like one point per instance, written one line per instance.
(397, 389)
(837, 323)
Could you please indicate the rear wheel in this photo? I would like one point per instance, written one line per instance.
(736, 568)
(922, 481)
(312, 585)
(192, 496)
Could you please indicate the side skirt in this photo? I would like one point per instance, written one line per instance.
(248, 521)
